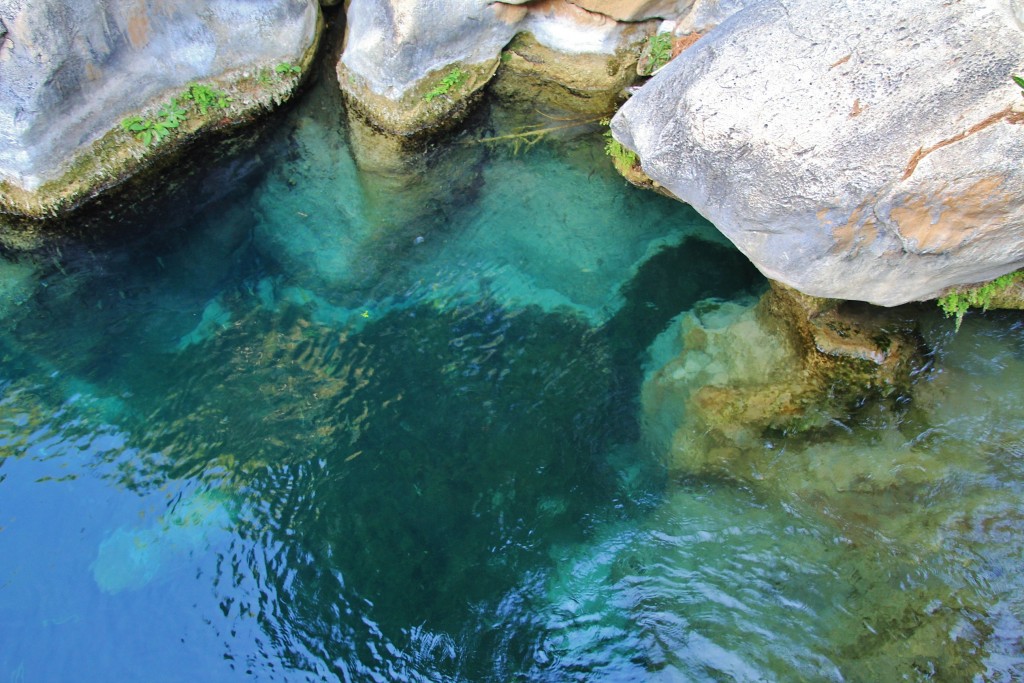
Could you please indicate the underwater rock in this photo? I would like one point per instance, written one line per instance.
(129, 559)
(71, 73)
(881, 170)
(730, 379)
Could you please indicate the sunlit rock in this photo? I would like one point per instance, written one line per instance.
(851, 150)
(69, 74)
(635, 10)
(399, 54)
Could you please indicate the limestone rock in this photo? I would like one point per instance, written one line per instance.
(635, 10)
(705, 15)
(852, 150)
(69, 72)
(397, 51)
(393, 44)
(539, 78)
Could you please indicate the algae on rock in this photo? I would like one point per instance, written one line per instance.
(788, 366)
(43, 181)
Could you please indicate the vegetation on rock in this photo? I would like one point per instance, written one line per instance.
(150, 131)
(956, 303)
(659, 47)
(620, 154)
(454, 79)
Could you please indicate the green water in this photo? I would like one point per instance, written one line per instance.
(332, 418)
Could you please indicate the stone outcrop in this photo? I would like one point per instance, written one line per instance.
(70, 72)
(398, 51)
(854, 150)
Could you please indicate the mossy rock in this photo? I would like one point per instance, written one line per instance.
(117, 168)
(534, 76)
(421, 112)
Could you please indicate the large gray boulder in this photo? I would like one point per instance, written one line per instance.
(852, 149)
(71, 70)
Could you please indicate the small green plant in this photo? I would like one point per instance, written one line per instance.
(659, 47)
(957, 302)
(146, 131)
(1020, 82)
(203, 98)
(619, 153)
(286, 69)
(172, 114)
(455, 78)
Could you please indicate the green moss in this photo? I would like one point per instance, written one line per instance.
(956, 303)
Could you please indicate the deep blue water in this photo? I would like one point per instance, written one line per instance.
(339, 418)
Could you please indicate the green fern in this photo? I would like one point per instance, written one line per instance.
(956, 303)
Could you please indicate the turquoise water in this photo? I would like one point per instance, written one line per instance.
(340, 418)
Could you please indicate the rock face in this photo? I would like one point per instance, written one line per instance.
(397, 51)
(853, 150)
(69, 72)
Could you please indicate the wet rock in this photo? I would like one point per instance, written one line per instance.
(537, 77)
(69, 74)
(881, 170)
(733, 378)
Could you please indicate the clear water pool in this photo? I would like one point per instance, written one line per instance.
(355, 420)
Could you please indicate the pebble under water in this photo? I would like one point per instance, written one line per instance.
(357, 421)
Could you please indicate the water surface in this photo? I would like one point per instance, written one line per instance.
(353, 421)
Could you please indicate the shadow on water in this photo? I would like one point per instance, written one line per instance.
(430, 466)
(392, 471)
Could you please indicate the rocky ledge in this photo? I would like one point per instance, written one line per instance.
(71, 75)
(413, 68)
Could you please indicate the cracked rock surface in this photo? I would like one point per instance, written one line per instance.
(853, 150)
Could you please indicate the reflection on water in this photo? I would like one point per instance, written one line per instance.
(312, 435)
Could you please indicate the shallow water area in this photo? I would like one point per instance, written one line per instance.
(362, 421)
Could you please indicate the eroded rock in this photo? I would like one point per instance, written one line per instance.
(733, 378)
(866, 151)
(398, 52)
(69, 73)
